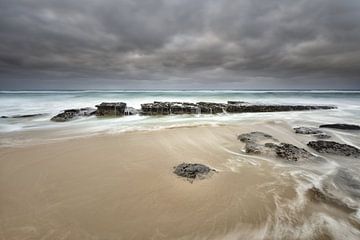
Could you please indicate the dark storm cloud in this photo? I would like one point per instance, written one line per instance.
(180, 43)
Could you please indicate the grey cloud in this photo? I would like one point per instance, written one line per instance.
(180, 44)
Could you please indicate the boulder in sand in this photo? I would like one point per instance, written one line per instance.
(192, 170)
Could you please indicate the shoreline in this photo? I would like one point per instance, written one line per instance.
(123, 186)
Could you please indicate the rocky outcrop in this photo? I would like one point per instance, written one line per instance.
(291, 152)
(211, 108)
(111, 109)
(262, 143)
(192, 170)
(244, 108)
(166, 108)
(335, 148)
(312, 131)
(71, 114)
(253, 141)
(307, 130)
(341, 126)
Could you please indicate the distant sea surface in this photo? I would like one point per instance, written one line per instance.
(51, 103)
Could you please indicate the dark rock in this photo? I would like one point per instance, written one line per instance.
(71, 114)
(254, 137)
(334, 148)
(252, 140)
(111, 109)
(211, 108)
(166, 108)
(24, 116)
(236, 102)
(242, 108)
(307, 130)
(291, 152)
(322, 136)
(260, 143)
(192, 170)
(341, 126)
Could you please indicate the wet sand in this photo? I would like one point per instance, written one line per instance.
(122, 187)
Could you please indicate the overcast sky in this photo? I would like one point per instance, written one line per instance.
(186, 44)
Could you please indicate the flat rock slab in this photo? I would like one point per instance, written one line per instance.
(335, 148)
(341, 126)
(111, 109)
(307, 130)
(71, 114)
(166, 108)
(192, 171)
(291, 152)
(25, 115)
(262, 143)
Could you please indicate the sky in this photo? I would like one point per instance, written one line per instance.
(179, 44)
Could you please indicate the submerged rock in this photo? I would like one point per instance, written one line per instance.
(260, 143)
(291, 152)
(192, 170)
(341, 126)
(25, 115)
(307, 130)
(322, 136)
(71, 114)
(254, 137)
(252, 140)
(111, 109)
(334, 148)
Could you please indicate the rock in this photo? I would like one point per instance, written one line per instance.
(322, 136)
(111, 109)
(211, 108)
(259, 143)
(241, 108)
(192, 170)
(252, 140)
(24, 116)
(166, 108)
(334, 148)
(291, 152)
(236, 102)
(307, 130)
(254, 137)
(71, 114)
(341, 126)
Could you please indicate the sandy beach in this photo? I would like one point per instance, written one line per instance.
(122, 186)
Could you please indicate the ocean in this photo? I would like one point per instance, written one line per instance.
(50, 103)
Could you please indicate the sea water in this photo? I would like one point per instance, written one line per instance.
(50, 103)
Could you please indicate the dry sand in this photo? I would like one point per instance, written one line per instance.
(122, 187)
